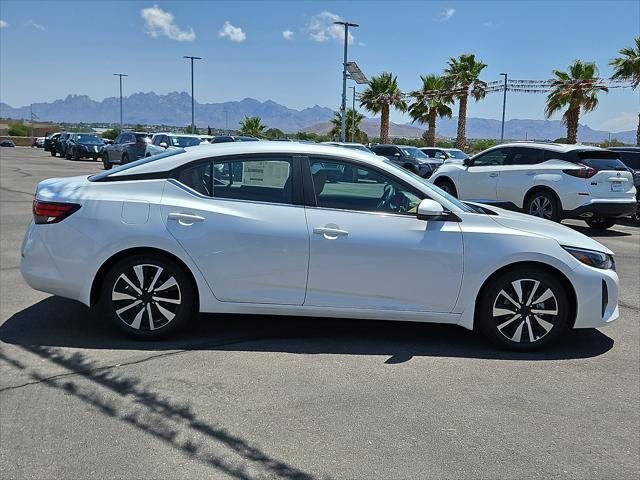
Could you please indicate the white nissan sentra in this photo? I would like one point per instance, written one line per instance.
(297, 229)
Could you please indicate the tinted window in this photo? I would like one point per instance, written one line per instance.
(526, 156)
(492, 158)
(254, 180)
(413, 152)
(631, 159)
(345, 186)
(141, 138)
(198, 178)
(221, 140)
(385, 151)
(177, 141)
(604, 163)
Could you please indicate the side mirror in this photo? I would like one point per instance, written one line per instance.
(467, 162)
(163, 144)
(429, 210)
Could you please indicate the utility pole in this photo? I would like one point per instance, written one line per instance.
(504, 105)
(343, 106)
(226, 122)
(353, 115)
(193, 123)
(121, 75)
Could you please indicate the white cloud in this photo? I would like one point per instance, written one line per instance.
(322, 29)
(3, 24)
(622, 122)
(32, 24)
(158, 23)
(235, 34)
(445, 15)
(287, 35)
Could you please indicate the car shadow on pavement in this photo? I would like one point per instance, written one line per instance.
(57, 322)
(594, 233)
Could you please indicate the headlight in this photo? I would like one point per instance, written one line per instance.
(593, 258)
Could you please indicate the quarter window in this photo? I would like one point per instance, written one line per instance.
(345, 186)
(198, 178)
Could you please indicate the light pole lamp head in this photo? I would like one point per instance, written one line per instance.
(346, 24)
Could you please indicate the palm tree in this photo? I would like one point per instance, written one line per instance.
(382, 94)
(432, 101)
(354, 135)
(576, 89)
(252, 126)
(627, 67)
(462, 75)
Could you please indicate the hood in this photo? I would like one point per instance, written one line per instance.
(546, 228)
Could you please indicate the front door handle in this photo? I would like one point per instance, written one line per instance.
(493, 175)
(185, 218)
(330, 232)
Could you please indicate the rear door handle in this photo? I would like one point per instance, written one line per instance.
(330, 232)
(186, 218)
(493, 175)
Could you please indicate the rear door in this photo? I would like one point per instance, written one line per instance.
(517, 176)
(479, 181)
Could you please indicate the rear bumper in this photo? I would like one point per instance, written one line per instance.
(606, 208)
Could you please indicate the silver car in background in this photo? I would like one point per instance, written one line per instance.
(161, 142)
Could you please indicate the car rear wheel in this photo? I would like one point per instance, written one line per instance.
(53, 153)
(148, 296)
(601, 223)
(125, 159)
(543, 205)
(74, 154)
(524, 309)
(447, 186)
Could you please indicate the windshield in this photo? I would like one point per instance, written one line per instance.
(89, 139)
(357, 147)
(167, 153)
(413, 152)
(432, 187)
(185, 141)
(459, 154)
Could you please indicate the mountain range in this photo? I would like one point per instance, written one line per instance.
(175, 109)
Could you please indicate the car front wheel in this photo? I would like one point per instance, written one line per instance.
(523, 309)
(105, 163)
(601, 223)
(543, 205)
(447, 186)
(148, 296)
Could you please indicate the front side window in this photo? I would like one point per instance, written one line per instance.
(497, 157)
(345, 186)
(258, 180)
(413, 152)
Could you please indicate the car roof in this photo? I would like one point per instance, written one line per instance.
(556, 147)
(180, 134)
(212, 150)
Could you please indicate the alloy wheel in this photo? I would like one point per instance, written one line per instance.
(541, 207)
(525, 310)
(146, 297)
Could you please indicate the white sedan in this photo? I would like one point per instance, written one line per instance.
(258, 228)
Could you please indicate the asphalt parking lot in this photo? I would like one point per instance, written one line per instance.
(266, 397)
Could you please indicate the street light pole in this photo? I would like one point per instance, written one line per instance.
(343, 106)
(353, 115)
(121, 75)
(504, 105)
(193, 124)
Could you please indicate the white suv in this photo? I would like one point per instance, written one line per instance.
(548, 180)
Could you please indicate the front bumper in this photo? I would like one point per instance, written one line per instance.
(608, 208)
(596, 296)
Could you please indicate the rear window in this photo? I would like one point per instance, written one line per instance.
(143, 138)
(601, 160)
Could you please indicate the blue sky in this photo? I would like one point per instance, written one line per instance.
(288, 52)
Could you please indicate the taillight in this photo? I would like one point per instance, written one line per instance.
(52, 212)
(582, 172)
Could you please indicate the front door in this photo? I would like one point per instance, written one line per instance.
(238, 221)
(479, 181)
(368, 249)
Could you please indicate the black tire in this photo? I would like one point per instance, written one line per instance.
(74, 155)
(411, 168)
(105, 163)
(636, 217)
(601, 223)
(125, 159)
(543, 204)
(494, 310)
(447, 185)
(67, 155)
(53, 153)
(140, 270)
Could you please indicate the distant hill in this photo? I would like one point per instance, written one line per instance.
(171, 109)
(175, 109)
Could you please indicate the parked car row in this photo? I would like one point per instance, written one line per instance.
(551, 181)
(74, 146)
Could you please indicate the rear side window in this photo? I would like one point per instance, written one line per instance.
(259, 180)
(526, 156)
(198, 178)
